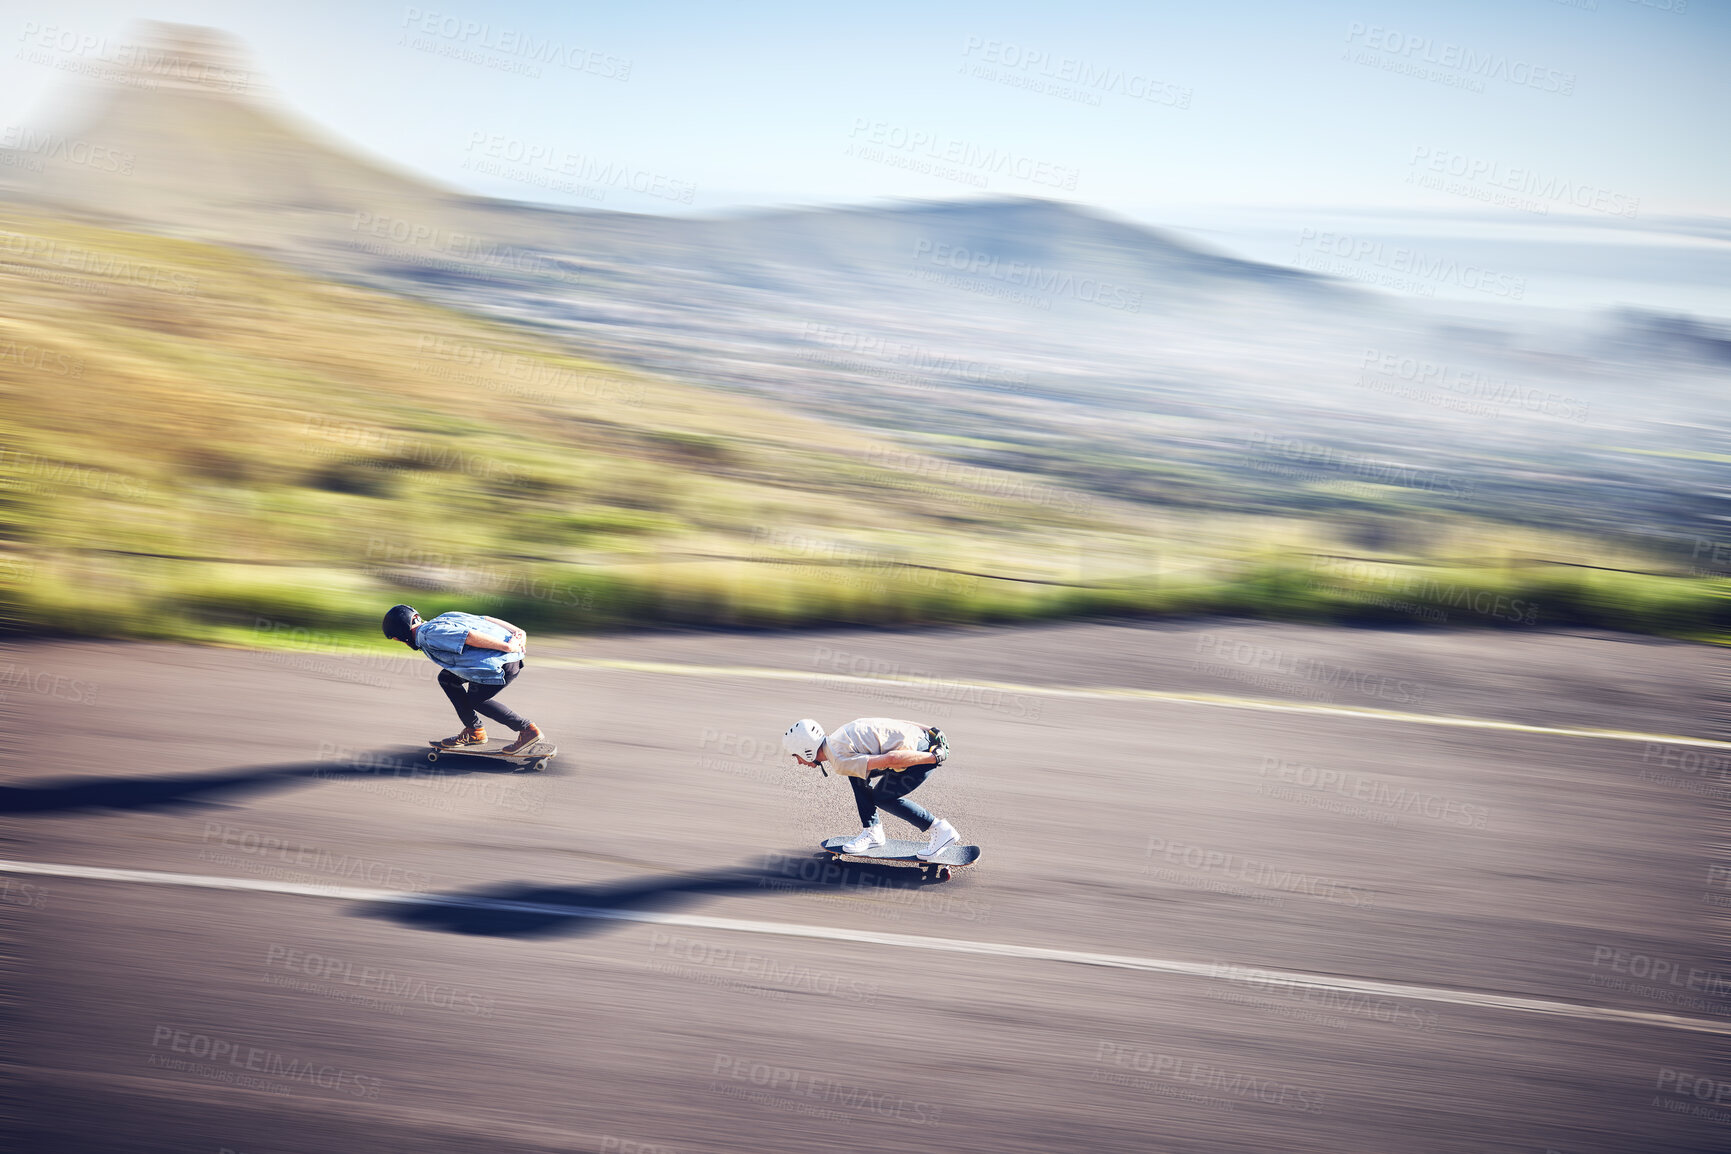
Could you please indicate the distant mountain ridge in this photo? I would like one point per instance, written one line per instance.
(1039, 336)
(211, 159)
(890, 313)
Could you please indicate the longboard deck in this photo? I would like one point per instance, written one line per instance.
(907, 851)
(537, 754)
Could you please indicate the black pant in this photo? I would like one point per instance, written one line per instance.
(467, 697)
(891, 793)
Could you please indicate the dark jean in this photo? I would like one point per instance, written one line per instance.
(891, 794)
(470, 697)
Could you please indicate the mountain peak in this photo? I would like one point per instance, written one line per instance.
(192, 143)
(187, 58)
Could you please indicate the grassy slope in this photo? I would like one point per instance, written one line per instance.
(169, 397)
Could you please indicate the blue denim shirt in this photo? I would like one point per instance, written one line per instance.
(445, 640)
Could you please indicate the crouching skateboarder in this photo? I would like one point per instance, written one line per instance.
(884, 760)
(478, 657)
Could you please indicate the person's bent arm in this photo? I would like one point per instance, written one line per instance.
(508, 627)
(482, 641)
(901, 759)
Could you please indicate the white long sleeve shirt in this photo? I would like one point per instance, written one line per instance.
(849, 748)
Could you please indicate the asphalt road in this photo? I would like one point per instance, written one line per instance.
(1181, 936)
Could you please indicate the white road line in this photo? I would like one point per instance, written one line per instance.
(1262, 978)
(1224, 701)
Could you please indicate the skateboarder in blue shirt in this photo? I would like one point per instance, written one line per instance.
(897, 755)
(478, 657)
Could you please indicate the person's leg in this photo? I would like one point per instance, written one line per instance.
(891, 795)
(456, 689)
(480, 698)
(862, 798)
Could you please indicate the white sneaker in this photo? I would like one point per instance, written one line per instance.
(871, 837)
(943, 835)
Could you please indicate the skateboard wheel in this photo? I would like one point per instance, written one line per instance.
(538, 764)
(944, 874)
(432, 757)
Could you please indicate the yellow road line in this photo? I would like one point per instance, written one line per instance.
(1109, 693)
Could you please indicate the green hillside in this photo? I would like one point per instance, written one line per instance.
(182, 400)
(201, 443)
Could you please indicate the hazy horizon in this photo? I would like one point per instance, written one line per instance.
(1241, 130)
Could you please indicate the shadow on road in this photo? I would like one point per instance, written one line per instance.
(185, 791)
(478, 912)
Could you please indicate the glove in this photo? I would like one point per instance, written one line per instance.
(940, 745)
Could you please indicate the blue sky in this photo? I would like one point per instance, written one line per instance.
(1234, 120)
(1182, 104)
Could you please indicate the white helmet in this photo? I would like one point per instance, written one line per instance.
(803, 738)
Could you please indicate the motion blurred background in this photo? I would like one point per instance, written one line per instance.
(603, 319)
(682, 316)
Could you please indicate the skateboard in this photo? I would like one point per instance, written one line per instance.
(535, 757)
(908, 853)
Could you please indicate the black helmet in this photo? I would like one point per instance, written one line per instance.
(400, 623)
